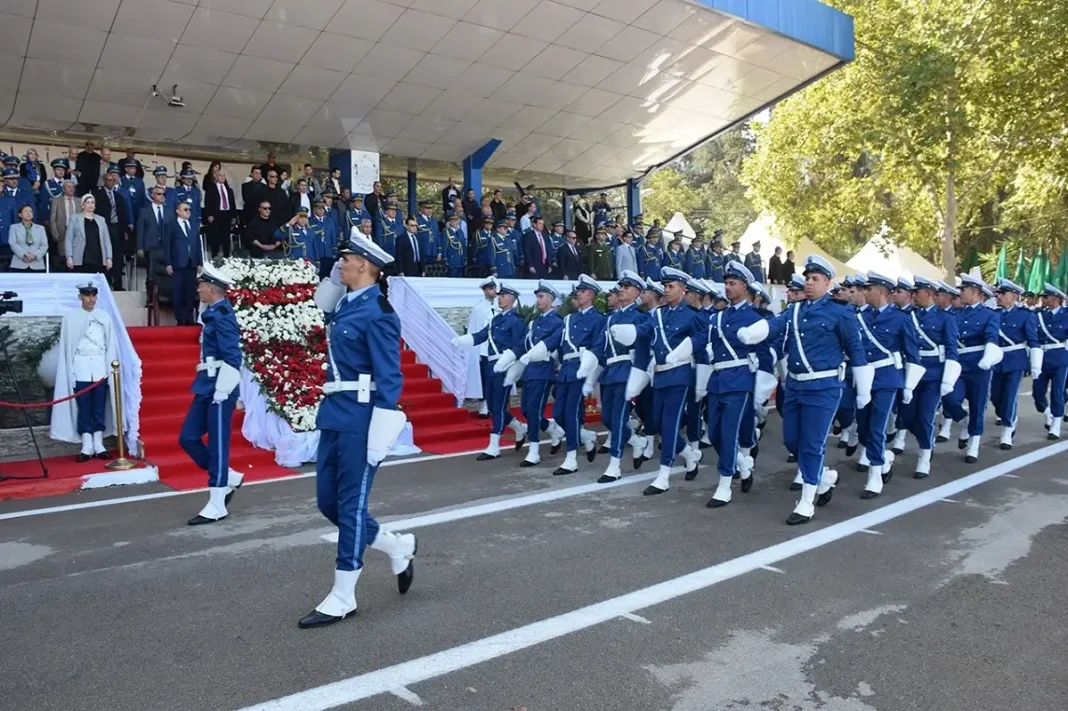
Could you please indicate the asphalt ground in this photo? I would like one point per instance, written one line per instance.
(554, 594)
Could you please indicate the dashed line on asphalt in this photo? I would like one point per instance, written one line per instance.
(636, 618)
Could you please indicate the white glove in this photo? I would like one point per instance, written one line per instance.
(680, 353)
(754, 334)
(335, 273)
(226, 381)
(1036, 362)
(704, 372)
(587, 388)
(538, 354)
(992, 355)
(906, 396)
(513, 374)
(913, 376)
(219, 397)
(636, 382)
(763, 386)
(385, 428)
(463, 342)
(624, 333)
(950, 374)
(863, 377)
(587, 362)
(505, 362)
(328, 295)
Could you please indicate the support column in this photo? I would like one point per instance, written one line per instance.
(473, 165)
(569, 212)
(413, 201)
(634, 200)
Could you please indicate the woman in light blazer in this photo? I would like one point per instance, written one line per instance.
(28, 242)
(88, 244)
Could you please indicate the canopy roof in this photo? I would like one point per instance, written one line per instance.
(883, 256)
(591, 92)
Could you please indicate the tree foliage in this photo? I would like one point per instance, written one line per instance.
(947, 130)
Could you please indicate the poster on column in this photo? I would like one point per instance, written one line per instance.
(364, 171)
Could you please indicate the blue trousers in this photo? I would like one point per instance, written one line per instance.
(1004, 390)
(903, 412)
(456, 272)
(91, 407)
(975, 387)
(668, 404)
(532, 402)
(343, 480)
(206, 417)
(497, 400)
(184, 294)
(615, 413)
(779, 395)
(569, 411)
(922, 411)
(726, 412)
(871, 424)
(643, 405)
(846, 414)
(747, 433)
(485, 370)
(807, 417)
(1051, 379)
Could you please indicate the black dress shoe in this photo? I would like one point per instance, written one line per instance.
(940, 439)
(1052, 437)
(605, 479)
(690, 476)
(841, 444)
(998, 422)
(483, 457)
(652, 491)
(591, 455)
(794, 486)
(920, 475)
(704, 445)
(715, 504)
(970, 460)
(639, 461)
(563, 472)
(737, 475)
(483, 417)
(519, 443)
(406, 576)
(83, 457)
(850, 450)
(603, 449)
(868, 495)
(747, 484)
(526, 464)
(797, 519)
(1005, 447)
(862, 467)
(836, 430)
(962, 443)
(318, 619)
(825, 498)
(199, 520)
(791, 459)
(102, 455)
(555, 448)
(890, 437)
(897, 450)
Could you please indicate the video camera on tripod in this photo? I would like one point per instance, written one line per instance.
(9, 306)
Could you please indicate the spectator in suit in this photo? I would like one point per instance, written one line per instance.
(314, 188)
(150, 223)
(112, 208)
(87, 168)
(568, 257)
(86, 245)
(788, 267)
(626, 256)
(64, 209)
(28, 242)
(182, 256)
(449, 195)
(499, 207)
(775, 267)
(409, 257)
(278, 198)
(219, 214)
(333, 183)
(538, 250)
(253, 191)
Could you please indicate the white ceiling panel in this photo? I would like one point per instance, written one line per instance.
(594, 102)
(388, 61)
(256, 74)
(564, 124)
(69, 80)
(455, 9)
(161, 20)
(666, 15)
(312, 83)
(97, 14)
(249, 8)
(546, 163)
(215, 29)
(560, 95)
(359, 90)
(418, 30)
(301, 13)
(530, 118)
(10, 72)
(119, 87)
(483, 79)
(222, 126)
(60, 42)
(22, 8)
(147, 55)
(362, 141)
(628, 44)
(15, 33)
(48, 112)
(467, 41)
(195, 63)
(493, 113)
(453, 105)
(434, 71)
(426, 128)
(554, 62)
(513, 52)
(548, 21)
(285, 43)
(592, 32)
(336, 52)
(387, 123)
(522, 88)
(623, 10)
(409, 98)
(499, 15)
(237, 103)
(402, 147)
(365, 19)
(596, 130)
(444, 152)
(592, 71)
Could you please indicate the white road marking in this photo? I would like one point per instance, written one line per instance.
(407, 695)
(773, 569)
(168, 494)
(468, 655)
(871, 532)
(1009, 476)
(951, 501)
(636, 618)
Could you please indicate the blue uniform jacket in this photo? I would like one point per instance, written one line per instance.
(696, 262)
(455, 246)
(754, 264)
(324, 234)
(607, 348)
(221, 340)
(429, 239)
(649, 261)
(580, 331)
(826, 334)
(673, 259)
(354, 218)
(50, 190)
(363, 338)
(666, 328)
(768, 353)
(725, 346)
(976, 326)
(1053, 331)
(133, 192)
(485, 253)
(1019, 333)
(895, 339)
(505, 333)
(190, 195)
(301, 242)
(716, 262)
(543, 327)
(937, 333)
(503, 264)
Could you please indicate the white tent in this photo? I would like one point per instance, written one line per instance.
(763, 230)
(678, 225)
(883, 256)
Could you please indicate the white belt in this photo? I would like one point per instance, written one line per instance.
(815, 375)
(363, 387)
(939, 353)
(1014, 347)
(727, 364)
(672, 366)
(620, 358)
(211, 366)
(971, 349)
(493, 358)
(884, 363)
(1054, 346)
(571, 356)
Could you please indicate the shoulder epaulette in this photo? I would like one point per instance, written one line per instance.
(384, 303)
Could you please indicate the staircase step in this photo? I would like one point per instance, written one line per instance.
(163, 334)
(415, 370)
(436, 417)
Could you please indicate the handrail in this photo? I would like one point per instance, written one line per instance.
(429, 335)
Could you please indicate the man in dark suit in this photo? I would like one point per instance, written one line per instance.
(252, 193)
(150, 224)
(538, 250)
(409, 258)
(219, 214)
(182, 256)
(87, 168)
(568, 258)
(112, 207)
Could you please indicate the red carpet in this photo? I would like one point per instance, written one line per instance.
(64, 477)
(169, 355)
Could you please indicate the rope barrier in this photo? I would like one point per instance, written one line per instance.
(34, 405)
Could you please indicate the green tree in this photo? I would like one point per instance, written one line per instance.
(945, 103)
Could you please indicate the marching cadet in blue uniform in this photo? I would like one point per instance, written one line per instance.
(795, 292)
(902, 294)
(188, 192)
(355, 216)
(578, 372)
(847, 409)
(675, 334)
(503, 266)
(455, 246)
(731, 380)
(358, 422)
(170, 195)
(51, 189)
(900, 298)
(539, 369)
(944, 298)
(695, 395)
(697, 259)
(1020, 346)
(753, 262)
(651, 298)
(892, 348)
(132, 190)
(214, 396)
(429, 239)
(624, 361)
(1053, 339)
(818, 334)
(767, 356)
(298, 238)
(505, 338)
(937, 332)
(977, 328)
(650, 255)
(324, 235)
(485, 251)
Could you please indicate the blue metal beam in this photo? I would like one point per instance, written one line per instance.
(473, 165)
(634, 199)
(413, 202)
(810, 22)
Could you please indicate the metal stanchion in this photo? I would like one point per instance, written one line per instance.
(122, 463)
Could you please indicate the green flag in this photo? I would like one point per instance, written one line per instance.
(972, 260)
(1061, 277)
(1038, 273)
(1003, 264)
(1020, 277)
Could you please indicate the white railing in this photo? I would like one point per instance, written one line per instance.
(429, 335)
